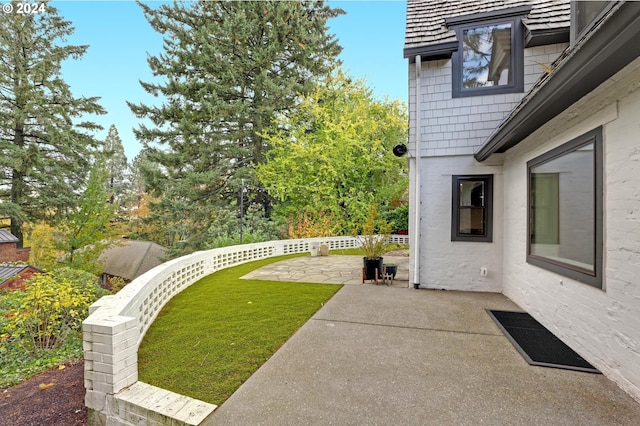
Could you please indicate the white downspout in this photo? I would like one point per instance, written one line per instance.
(416, 187)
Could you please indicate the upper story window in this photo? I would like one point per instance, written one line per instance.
(490, 54)
(584, 14)
(486, 56)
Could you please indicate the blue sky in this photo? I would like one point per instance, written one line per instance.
(371, 34)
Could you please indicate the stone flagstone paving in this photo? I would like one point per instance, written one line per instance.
(332, 269)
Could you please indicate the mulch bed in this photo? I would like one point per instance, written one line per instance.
(52, 398)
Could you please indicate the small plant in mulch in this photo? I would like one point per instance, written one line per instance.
(40, 327)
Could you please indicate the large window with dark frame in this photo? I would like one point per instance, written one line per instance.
(490, 57)
(565, 209)
(472, 208)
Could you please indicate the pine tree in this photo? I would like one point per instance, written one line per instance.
(228, 69)
(116, 165)
(44, 150)
(141, 225)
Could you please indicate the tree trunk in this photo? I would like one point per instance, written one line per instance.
(17, 187)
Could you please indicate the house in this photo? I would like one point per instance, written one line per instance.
(8, 248)
(13, 277)
(525, 164)
(130, 259)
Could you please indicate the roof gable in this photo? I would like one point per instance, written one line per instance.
(8, 271)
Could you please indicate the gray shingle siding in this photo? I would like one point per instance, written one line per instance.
(426, 18)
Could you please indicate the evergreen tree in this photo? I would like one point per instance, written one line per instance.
(141, 224)
(44, 156)
(116, 165)
(228, 69)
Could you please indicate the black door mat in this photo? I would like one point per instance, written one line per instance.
(536, 344)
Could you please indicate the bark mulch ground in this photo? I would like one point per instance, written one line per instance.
(52, 398)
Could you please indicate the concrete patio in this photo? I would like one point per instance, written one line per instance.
(387, 355)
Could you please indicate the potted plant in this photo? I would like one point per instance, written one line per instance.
(391, 269)
(373, 241)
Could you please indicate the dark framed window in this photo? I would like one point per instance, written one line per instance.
(584, 14)
(490, 57)
(472, 208)
(565, 209)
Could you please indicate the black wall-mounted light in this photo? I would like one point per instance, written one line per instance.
(399, 150)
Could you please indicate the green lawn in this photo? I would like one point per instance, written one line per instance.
(211, 337)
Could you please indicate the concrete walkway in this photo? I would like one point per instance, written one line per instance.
(382, 355)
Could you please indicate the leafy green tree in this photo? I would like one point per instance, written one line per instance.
(88, 228)
(312, 224)
(228, 68)
(333, 156)
(44, 149)
(46, 242)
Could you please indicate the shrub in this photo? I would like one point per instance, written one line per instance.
(256, 226)
(399, 217)
(311, 224)
(51, 307)
(116, 284)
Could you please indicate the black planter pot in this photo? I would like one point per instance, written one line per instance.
(392, 270)
(370, 266)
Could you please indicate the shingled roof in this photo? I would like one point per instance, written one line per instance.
(132, 258)
(8, 271)
(7, 237)
(426, 19)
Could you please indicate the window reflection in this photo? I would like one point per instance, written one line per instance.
(471, 207)
(562, 216)
(486, 56)
(586, 12)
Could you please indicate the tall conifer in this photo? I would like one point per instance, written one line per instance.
(44, 151)
(228, 68)
(116, 165)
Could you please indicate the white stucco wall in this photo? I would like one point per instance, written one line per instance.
(601, 325)
(451, 130)
(455, 265)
